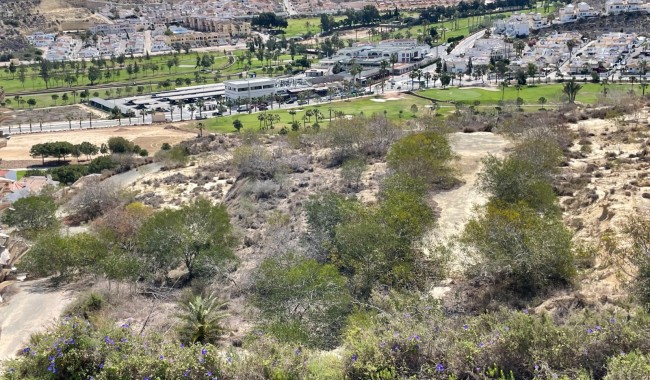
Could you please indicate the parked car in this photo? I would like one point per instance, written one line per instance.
(217, 113)
(302, 101)
(262, 108)
(242, 108)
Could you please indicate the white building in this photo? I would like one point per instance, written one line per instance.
(585, 11)
(249, 88)
(515, 25)
(614, 7)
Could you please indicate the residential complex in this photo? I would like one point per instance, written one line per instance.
(407, 55)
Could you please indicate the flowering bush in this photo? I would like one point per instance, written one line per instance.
(416, 338)
(76, 349)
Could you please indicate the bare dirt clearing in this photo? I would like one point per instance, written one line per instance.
(456, 206)
(32, 308)
(149, 138)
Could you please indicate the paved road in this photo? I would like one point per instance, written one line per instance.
(30, 310)
(467, 43)
(128, 178)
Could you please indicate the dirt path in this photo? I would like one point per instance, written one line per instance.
(148, 137)
(32, 308)
(458, 204)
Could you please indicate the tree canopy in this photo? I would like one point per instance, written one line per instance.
(197, 236)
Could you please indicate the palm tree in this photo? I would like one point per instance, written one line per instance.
(354, 70)
(200, 128)
(69, 118)
(200, 104)
(504, 84)
(181, 104)
(571, 89)
(384, 66)
(261, 117)
(202, 320)
(293, 115)
(427, 77)
(192, 109)
(571, 44)
(413, 75)
(644, 85)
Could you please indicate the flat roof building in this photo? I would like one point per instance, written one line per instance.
(249, 88)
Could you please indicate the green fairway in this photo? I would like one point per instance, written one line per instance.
(530, 94)
(300, 26)
(365, 106)
(461, 27)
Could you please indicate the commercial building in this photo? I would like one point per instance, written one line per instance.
(218, 25)
(249, 88)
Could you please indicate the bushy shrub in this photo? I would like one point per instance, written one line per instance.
(174, 157)
(301, 300)
(99, 164)
(411, 336)
(68, 174)
(425, 156)
(520, 250)
(76, 349)
(630, 366)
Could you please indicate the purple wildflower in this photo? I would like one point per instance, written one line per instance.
(298, 351)
(536, 367)
(612, 320)
(146, 378)
(161, 357)
(465, 327)
(354, 357)
(480, 345)
(440, 367)
(186, 373)
(101, 365)
(382, 343)
(204, 351)
(182, 345)
(598, 328)
(590, 331)
(26, 350)
(525, 311)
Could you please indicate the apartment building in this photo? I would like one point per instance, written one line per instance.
(218, 25)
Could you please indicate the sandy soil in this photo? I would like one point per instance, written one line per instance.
(32, 308)
(457, 205)
(149, 138)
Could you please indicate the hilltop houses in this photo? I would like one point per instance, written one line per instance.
(615, 7)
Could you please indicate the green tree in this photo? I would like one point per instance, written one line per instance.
(120, 145)
(64, 256)
(571, 89)
(238, 125)
(197, 236)
(425, 156)
(301, 300)
(94, 73)
(201, 320)
(88, 149)
(33, 213)
(40, 150)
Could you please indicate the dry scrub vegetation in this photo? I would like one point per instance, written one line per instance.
(487, 245)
